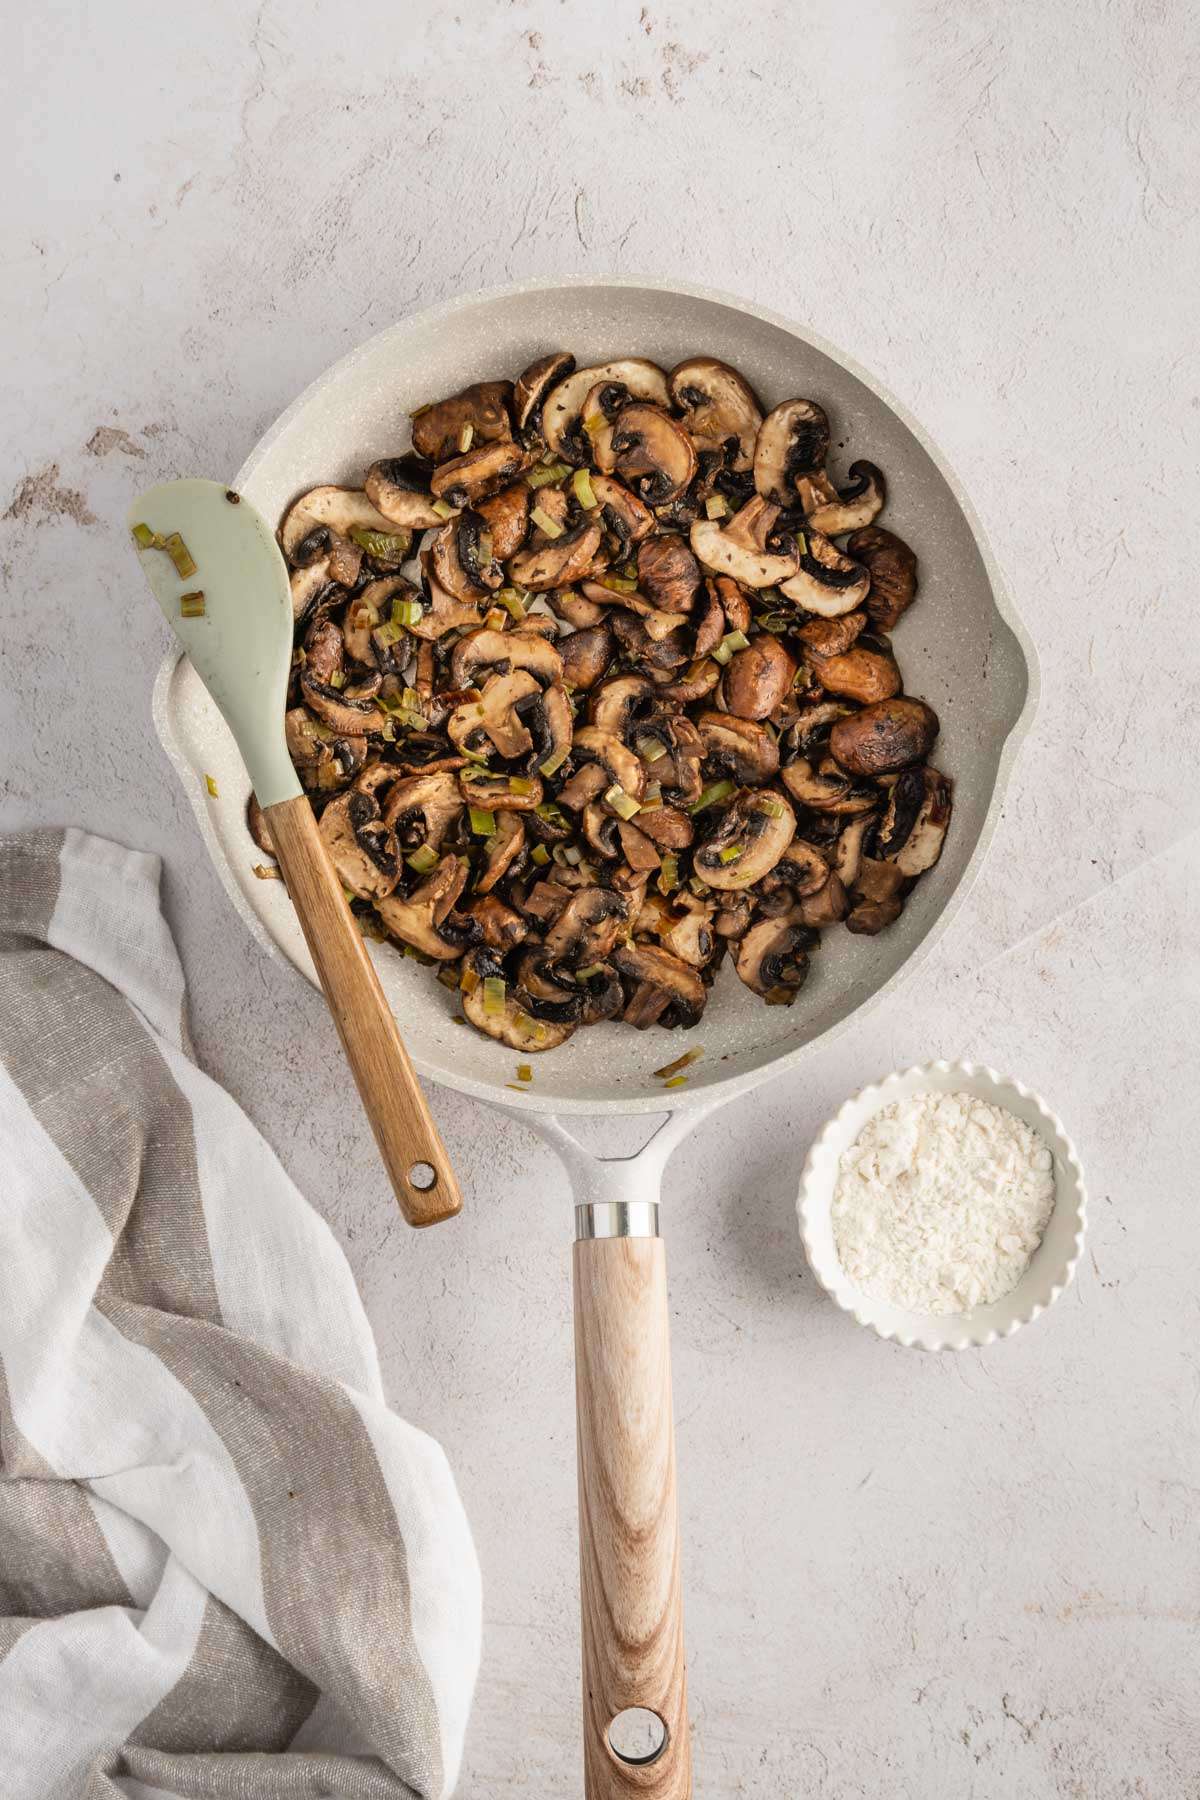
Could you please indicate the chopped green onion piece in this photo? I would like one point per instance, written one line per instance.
(545, 523)
(730, 853)
(266, 873)
(681, 1062)
(495, 618)
(676, 1081)
(698, 886)
(407, 612)
(494, 990)
(594, 423)
(338, 679)
(622, 803)
(773, 808)
(585, 493)
(553, 763)
(423, 860)
(448, 976)
(179, 554)
(573, 856)
(384, 546)
(464, 439)
(802, 543)
(390, 633)
(520, 784)
(443, 509)
(469, 982)
(191, 606)
(716, 790)
(524, 1072)
(540, 478)
(511, 599)
(715, 506)
(422, 410)
(144, 538)
(652, 798)
(553, 815)
(541, 855)
(485, 546)
(628, 570)
(733, 640)
(619, 584)
(668, 875)
(211, 785)
(775, 622)
(482, 823)
(650, 749)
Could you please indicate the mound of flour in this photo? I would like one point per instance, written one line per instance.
(941, 1202)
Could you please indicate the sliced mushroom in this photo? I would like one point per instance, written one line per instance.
(324, 514)
(827, 788)
(324, 651)
(657, 655)
(810, 733)
(584, 786)
(562, 425)
(837, 510)
(493, 791)
(832, 637)
(323, 759)
(738, 747)
(700, 679)
(457, 561)
(600, 830)
(625, 519)
(742, 548)
(398, 487)
(479, 473)
(829, 904)
(605, 747)
(793, 442)
(506, 519)
(361, 845)
(566, 604)
(678, 773)
(416, 919)
(801, 868)
(878, 901)
(586, 656)
(558, 561)
(638, 849)
(652, 451)
(548, 993)
(351, 712)
(751, 836)
(668, 574)
(256, 825)
(733, 919)
(308, 586)
(759, 678)
(433, 799)
(501, 850)
(666, 826)
(825, 582)
(530, 390)
(688, 933)
(478, 415)
(710, 616)
(620, 703)
(489, 649)
(913, 828)
(848, 857)
(588, 926)
(772, 957)
(497, 925)
(860, 673)
(717, 405)
(657, 625)
(647, 965)
(893, 570)
(509, 1021)
(886, 737)
(493, 716)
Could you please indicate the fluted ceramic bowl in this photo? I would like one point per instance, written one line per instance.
(1053, 1263)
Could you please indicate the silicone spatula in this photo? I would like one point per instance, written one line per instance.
(233, 615)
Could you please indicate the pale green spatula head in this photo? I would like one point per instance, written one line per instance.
(239, 636)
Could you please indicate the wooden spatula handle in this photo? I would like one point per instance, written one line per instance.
(396, 1107)
(628, 1518)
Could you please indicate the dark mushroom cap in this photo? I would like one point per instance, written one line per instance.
(668, 574)
(650, 449)
(893, 570)
(759, 678)
(586, 655)
(531, 387)
(885, 737)
(793, 441)
(482, 408)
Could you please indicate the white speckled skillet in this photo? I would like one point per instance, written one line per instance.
(961, 647)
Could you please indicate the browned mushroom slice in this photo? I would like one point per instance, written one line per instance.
(361, 845)
(657, 625)
(351, 712)
(743, 547)
(837, 510)
(488, 791)
(588, 926)
(718, 405)
(488, 649)
(848, 856)
(506, 519)
(422, 808)
(666, 826)
(324, 651)
(322, 520)
(893, 570)
(678, 773)
(398, 487)
(913, 828)
(826, 582)
(620, 703)
(733, 918)
(478, 415)
(772, 957)
(309, 586)
(584, 786)
(793, 441)
(586, 656)
(809, 734)
(492, 721)
(652, 452)
(646, 1005)
(878, 901)
(832, 637)
(827, 788)
(759, 678)
(626, 521)
(323, 758)
(738, 747)
(638, 849)
(530, 390)
(751, 836)
(559, 561)
(656, 656)
(600, 831)
(501, 850)
(668, 574)
(500, 1009)
(802, 868)
(649, 965)
(886, 737)
(829, 904)
(497, 925)
(697, 682)
(687, 931)
(479, 473)
(256, 825)
(415, 919)
(562, 425)
(460, 559)
(605, 747)
(861, 673)
(547, 992)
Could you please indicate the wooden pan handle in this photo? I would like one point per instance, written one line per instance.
(396, 1107)
(628, 1520)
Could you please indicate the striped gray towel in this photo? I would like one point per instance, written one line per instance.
(226, 1568)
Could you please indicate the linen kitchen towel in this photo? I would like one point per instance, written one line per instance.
(226, 1567)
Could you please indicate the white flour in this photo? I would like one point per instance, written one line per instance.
(941, 1202)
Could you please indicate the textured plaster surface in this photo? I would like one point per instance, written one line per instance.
(960, 1578)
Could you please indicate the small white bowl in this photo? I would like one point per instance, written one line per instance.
(1052, 1265)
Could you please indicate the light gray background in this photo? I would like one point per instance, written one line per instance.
(957, 1578)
